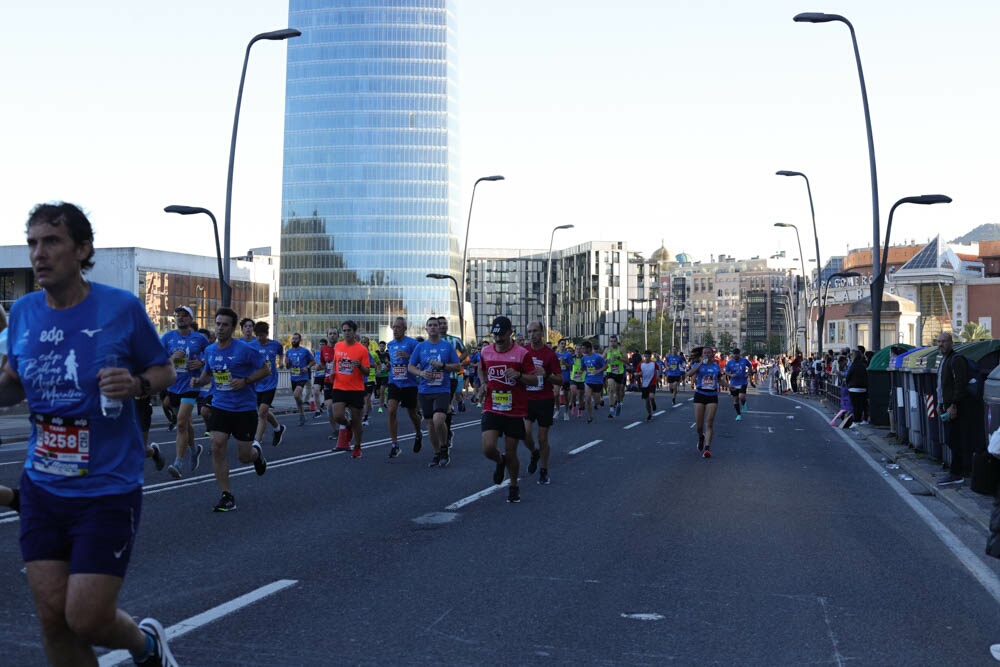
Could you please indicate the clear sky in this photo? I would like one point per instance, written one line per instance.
(633, 120)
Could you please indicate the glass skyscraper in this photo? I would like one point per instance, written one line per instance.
(370, 200)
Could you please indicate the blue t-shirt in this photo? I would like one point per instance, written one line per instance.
(299, 360)
(73, 450)
(236, 360)
(737, 370)
(674, 364)
(193, 346)
(566, 363)
(590, 363)
(398, 375)
(423, 355)
(706, 379)
(269, 353)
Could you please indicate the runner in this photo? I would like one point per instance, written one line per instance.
(505, 369)
(319, 380)
(594, 366)
(648, 381)
(204, 401)
(382, 367)
(577, 377)
(246, 327)
(565, 357)
(615, 377)
(327, 357)
(675, 369)
(232, 366)
(541, 399)
(402, 386)
(706, 397)
(186, 349)
(738, 370)
(460, 350)
(299, 360)
(352, 361)
(473, 371)
(80, 493)
(432, 361)
(272, 353)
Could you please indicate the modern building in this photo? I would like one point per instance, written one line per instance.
(162, 280)
(370, 197)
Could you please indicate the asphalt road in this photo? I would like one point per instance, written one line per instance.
(791, 546)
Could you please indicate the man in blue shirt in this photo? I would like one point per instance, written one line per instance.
(79, 352)
(594, 366)
(674, 366)
(738, 370)
(185, 348)
(565, 357)
(432, 362)
(402, 386)
(232, 366)
(299, 361)
(271, 353)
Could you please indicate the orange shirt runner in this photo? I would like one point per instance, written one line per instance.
(345, 376)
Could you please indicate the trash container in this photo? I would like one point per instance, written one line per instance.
(991, 402)
(986, 354)
(879, 387)
(914, 368)
(897, 403)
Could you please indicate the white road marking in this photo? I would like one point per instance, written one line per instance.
(213, 614)
(657, 414)
(677, 405)
(643, 617)
(459, 504)
(574, 452)
(632, 425)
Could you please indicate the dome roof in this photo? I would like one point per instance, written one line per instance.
(683, 258)
(661, 254)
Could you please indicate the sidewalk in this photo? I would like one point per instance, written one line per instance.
(916, 470)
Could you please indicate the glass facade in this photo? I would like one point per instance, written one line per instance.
(370, 198)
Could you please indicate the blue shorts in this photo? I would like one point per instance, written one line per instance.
(95, 535)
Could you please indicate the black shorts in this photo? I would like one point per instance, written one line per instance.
(454, 385)
(705, 400)
(431, 403)
(320, 381)
(381, 381)
(265, 397)
(648, 391)
(671, 379)
(736, 391)
(596, 388)
(352, 399)
(567, 384)
(144, 412)
(369, 388)
(512, 427)
(299, 383)
(405, 396)
(327, 392)
(579, 385)
(617, 377)
(541, 411)
(175, 399)
(204, 401)
(241, 425)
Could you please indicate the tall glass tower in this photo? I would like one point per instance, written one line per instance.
(370, 200)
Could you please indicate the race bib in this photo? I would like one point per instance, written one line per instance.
(180, 363)
(436, 378)
(708, 382)
(296, 371)
(345, 367)
(503, 401)
(222, 380)
(399, 372)
(62, 446)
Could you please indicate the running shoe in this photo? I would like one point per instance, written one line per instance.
(543, 477)
(590, 420)
(536, 454)
(157, 457)
(196, 457)
(707, 454)
(318, 414)
(611, 415)
(380, 409)
(461, 406)
(649, 417)
(673, 400)
(174, 469)
(278, 435)
(435, 461)
(513, 495)
(418, 442)
(445, 457)
(739, 418)
(302, 419)
(227, 503)
(260, 465)
(364, 422)
(161, 656)
(499, 471)
(701, 442)
(566, 416)
(208, 434)
(172, 426)
(356, 454)
(451, 438)
(394, 451)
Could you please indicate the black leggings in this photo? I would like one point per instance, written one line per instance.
(859, 405)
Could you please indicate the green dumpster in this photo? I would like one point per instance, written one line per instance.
(879, 387)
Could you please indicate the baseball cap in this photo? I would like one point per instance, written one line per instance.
(501, 325)
(185, 309)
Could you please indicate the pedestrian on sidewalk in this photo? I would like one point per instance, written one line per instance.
(955, 409)
(857, 387)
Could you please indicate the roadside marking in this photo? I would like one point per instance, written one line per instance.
(657, 414)
(632, 425)
(574, 452)
(459, 504)
(204, 618)
(677, 405)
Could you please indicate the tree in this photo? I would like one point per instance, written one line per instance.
(775, 345)
(726, 341)
(975, 331)
(708, 339)
(631, 337)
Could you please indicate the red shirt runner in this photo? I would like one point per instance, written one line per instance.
(546, 363)
(326, 358)
(504, 397)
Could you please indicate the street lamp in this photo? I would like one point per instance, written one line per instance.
(826, 294)
(878, 284)
(819, 265)
(465, 251)
(458, 295)
(819, 17)
(548, 274)
(805, 279)
(276, 35)
(225, 291)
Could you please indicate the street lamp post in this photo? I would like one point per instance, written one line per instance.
(878, 283)
(548, 275)
(458, 295)
(465, 251)
(805, 279)
(819, 17)
(819, 264)
(275, 35)
(225, 291)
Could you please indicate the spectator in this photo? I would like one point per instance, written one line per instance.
(857, 386)
(796, 372)
(955, 409)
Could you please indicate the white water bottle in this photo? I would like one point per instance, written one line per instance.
(111, 407)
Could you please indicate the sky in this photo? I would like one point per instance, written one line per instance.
(632, 120)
